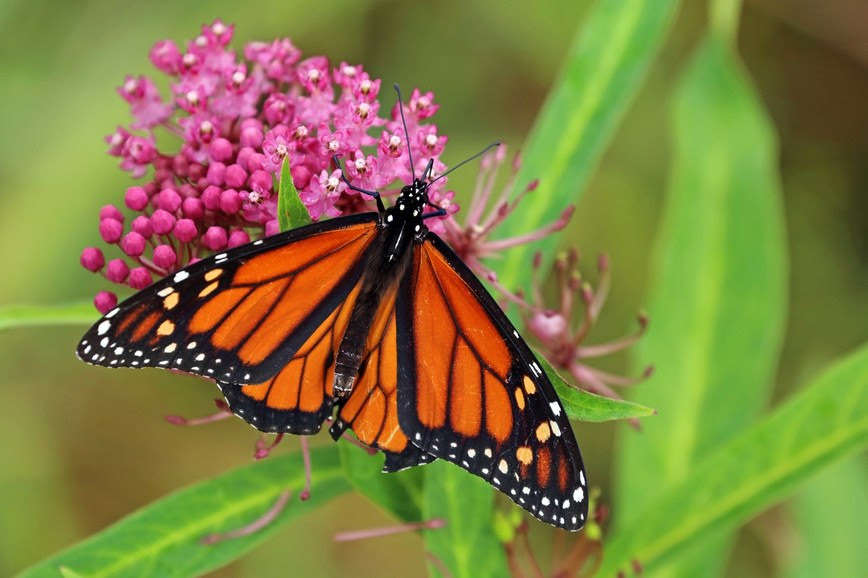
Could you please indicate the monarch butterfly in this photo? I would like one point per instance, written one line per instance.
(372, 317)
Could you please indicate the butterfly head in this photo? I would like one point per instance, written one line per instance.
(413, 200)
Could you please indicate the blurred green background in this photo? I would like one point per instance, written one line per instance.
(82, 447)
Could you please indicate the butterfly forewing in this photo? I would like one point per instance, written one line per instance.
(238, 316)
(471, 392)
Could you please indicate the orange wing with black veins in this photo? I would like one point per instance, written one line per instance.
(470, 391)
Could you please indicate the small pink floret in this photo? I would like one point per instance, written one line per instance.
(164, 256)
(133, 244)
(111, 212)
(117, 271)
(230, 201)
(111, 230)
(169, 200)
(256, 162)
(142, 226)
(251, 137)
(136, 198)
(92, 259)
(105, 301)
(140, 278)
(162, 222)
(260, 181)
(216, 173)
(193, 208)
(221, 150)
(166, 57)
(547, 325)
(237, 238)
(215, 238)
(185, 230)
(211, 197)
(272, 227)
(235, 176)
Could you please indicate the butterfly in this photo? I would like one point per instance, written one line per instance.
(373, 320)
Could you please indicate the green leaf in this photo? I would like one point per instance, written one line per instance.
(164, 538)
(825, 421)
(832, 508)
(12, 316)
(603, 71)
(399, 493)
(291, 212)
(467, 545)
(583, 406)
(718, 300)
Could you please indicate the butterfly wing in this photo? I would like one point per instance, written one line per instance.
(243, 315)
(299, 397)
(471, 391)
(371, 410)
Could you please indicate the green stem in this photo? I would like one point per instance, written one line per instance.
(723, 19)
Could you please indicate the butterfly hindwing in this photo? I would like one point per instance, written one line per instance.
(471, 391)
(298, 399)
(371, 410)
(242, 315)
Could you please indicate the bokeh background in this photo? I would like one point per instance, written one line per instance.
(81, 447)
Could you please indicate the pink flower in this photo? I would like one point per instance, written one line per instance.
(324, 192)
(277, 60)
(422, 105)
(276, 147)
(429, 142)
(363, 171)
(239, 117)
(563, 340)
(472, 239)
(138, 153)
(146, 104)
(116, 141)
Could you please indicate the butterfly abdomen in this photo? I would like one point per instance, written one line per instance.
(383, 269)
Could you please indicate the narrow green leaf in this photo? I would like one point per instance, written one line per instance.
(69, 573)
(399, 493)
(825, 421)
(718, 300)
(164, 538)
(604, 69)
(583, 406)
(467, 545)
(832, 509)
(12, 316)
(291, 212)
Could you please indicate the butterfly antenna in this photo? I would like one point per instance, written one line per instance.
(426, 174)
(465, 161)
(406, 132)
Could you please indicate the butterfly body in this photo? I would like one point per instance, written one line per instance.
(372, 319)
(401, 226)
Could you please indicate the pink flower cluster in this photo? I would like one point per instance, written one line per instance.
(562, 339)
(235, 120)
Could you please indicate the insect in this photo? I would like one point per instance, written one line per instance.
(373, 319)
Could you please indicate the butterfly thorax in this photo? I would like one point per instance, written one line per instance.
(402, 224)
(403, 220)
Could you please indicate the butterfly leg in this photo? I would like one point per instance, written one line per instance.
(374, 194)
(438, 213)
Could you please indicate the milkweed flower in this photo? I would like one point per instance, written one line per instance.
(471, 235)
(232, 119)
(563, 340)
